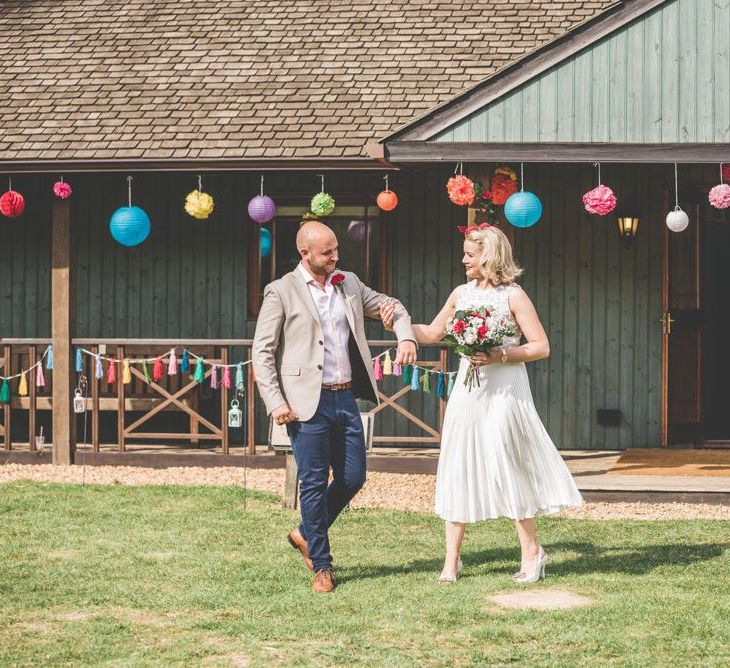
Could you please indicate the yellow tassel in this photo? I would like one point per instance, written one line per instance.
(387, 365)
(126, 373)
(23, 386)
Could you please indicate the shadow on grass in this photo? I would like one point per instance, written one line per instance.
(590, 559)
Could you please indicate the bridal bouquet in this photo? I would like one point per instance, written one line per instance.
(475, 330)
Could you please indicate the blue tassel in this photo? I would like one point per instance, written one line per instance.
(99, 371)
(414, 378)
(79, 361)
(49, 358)
(185, 362)
(451, 382)
(440, 389)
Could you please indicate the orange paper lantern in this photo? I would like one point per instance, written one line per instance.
(387, 200)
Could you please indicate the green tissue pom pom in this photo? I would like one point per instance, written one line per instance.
(323, 204)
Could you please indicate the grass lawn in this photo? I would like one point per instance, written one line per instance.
(185, 575)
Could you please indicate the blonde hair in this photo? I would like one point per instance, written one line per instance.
(496, 262)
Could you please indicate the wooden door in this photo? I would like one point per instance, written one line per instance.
(681, 324)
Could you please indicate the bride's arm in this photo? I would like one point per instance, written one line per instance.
(537, 346)
(432, 333)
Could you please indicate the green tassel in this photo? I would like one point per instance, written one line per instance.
(451, 383)
(199, 371)
(239, 376)
(426, 381)
(5, 393)
(407, 373)
(146, 371)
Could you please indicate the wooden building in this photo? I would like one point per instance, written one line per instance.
(407, 89)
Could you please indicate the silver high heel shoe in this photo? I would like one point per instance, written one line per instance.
(536, 572)
(443, 579)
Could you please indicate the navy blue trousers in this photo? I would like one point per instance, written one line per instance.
(334, 438)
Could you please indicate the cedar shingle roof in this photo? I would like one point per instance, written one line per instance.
(183, 79)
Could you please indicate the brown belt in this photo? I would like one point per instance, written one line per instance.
(337, 386)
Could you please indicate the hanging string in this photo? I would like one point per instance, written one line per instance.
(459, 169)
(10, 183)
(321, 176)
(129, 190)
(676, 190)
(722, 180)
(385, 178)
(200, 184)
(262, 185)
(522, 176)
(598, 164)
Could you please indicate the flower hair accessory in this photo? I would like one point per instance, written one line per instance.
(466, 231)
(337, 279)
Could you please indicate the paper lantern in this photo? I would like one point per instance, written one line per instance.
(62, 190)
(357, 230)
(601, 200)
(322, 204)
(387, 200)
(129, 225)
(523, 209)
(261, 209)
(677, 220)
(199, 204)
(12, 204)
(264, 242)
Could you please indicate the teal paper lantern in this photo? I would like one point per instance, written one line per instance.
(523, 209)
(265, 242)
(129, 225)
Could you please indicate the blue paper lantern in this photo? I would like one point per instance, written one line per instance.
(523, 209)
(261, 209)
(265, 242)
(129, 225)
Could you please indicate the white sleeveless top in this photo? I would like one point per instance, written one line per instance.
(496, 298)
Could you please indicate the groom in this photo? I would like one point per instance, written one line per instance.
(311, 359)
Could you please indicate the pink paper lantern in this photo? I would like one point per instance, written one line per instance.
(62, 190)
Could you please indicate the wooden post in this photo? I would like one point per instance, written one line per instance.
(63, 312)
(94, 381)
(121, 399)
(251, 408)
(224, 406)
(33, 401)
(7, 409)
(291, 482)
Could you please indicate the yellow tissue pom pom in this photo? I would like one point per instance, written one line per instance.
(198, 204)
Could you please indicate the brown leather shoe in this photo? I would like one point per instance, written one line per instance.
(298, 543)
(323, 581)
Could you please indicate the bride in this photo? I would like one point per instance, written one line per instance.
(496, 458)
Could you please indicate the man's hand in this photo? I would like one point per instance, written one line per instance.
(283, 414)
(406, 352)
(387, 314)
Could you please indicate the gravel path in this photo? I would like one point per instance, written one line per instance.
(383, 490)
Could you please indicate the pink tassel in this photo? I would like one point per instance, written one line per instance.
(172, 364)
(40, 380)
(397, 371)
(214, 378)
(378, 369)
(227, 378)
(157, 370)
(111, 376)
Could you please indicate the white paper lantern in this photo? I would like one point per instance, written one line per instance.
(677, 220)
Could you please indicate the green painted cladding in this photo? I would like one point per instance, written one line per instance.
(665, 78)
(600, 303)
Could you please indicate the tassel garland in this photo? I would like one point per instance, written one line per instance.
(407, 371)
(5, 392)
(226, 381)
(185, 364)
(214, 377)
(157, 372)
(111, 374)
(98, 369)
(40, 380)
(49, 359)
(397, 369)
(427, 382)
(378, 369)
(172, 364)
(440, 389)
(239, 377)
(146, 371)
(23, 386)
(451, 383)
(126, 373)
(387, 364)
(199, 375)
(414, 378)
(79, 361)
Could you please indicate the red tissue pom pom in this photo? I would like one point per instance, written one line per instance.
(12, 204)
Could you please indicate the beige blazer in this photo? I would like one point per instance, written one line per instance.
(288, 346)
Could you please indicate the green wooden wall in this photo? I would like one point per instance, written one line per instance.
(663, 78)
(600, 303)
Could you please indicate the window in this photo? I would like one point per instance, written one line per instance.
(362, 248)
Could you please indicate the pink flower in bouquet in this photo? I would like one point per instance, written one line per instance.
(459, 326)
(720, 196)
(600, 200)
(461, 190)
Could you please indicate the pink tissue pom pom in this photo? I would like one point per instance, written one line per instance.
(600, 200)
(720, 196)
(62, 189)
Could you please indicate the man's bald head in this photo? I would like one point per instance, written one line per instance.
(317, 244)
(313, 232)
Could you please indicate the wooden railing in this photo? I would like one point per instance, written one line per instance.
(172, 394)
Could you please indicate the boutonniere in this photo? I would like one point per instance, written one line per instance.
(338, 278)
